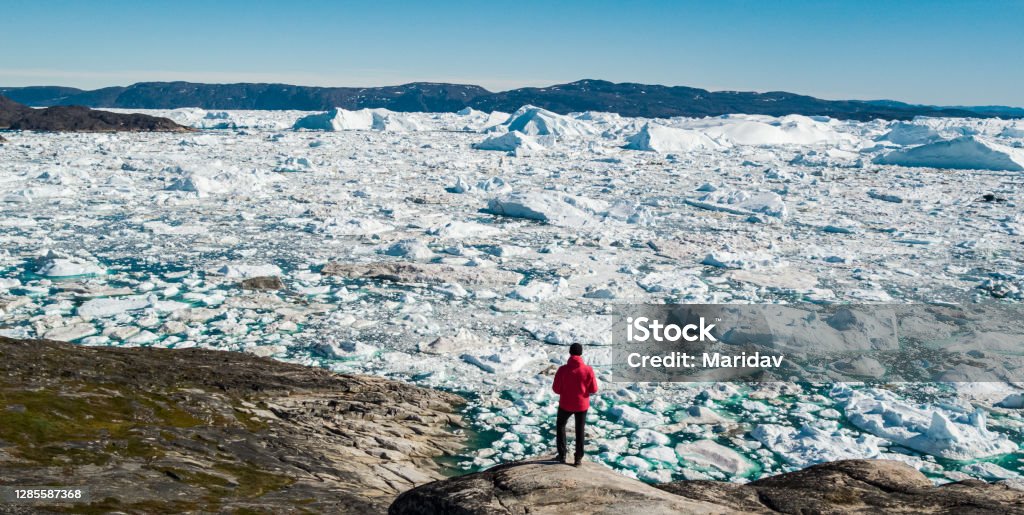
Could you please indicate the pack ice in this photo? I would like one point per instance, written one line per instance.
(468, 250)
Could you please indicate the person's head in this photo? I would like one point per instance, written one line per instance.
(575, 350)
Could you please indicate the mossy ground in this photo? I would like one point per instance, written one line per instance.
(83, 424)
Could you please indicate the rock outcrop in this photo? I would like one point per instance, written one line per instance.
(169, 431)
(15, 116)
(854, 486)
(265, 282)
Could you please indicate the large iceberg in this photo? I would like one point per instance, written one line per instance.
(910, 134)
(659, 138)
(963, 153)
(786, 130)
(339, 119)
(535, 121)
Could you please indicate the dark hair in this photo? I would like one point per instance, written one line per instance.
(576, 349)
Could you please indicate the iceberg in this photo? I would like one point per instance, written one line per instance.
(54, 265)
(339, 119)
(786, 130)
(555, 209)
(963, 153)
(657, 138)
(504, 360)
(634, 417)
(247, 271)
(910, 134)
(513, 141)
(535, 121)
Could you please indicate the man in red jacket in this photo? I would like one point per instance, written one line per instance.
(574, 384)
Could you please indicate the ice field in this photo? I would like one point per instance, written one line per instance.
(467, 250)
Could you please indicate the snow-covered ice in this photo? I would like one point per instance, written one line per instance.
(467, 250)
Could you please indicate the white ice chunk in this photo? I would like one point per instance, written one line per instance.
(675, 283)
(810, 445)
(537, 291)
(744, 202)
(54, 265)
(505, 360)
(586, 330)
(555, 209)
(514, 141)
(107, 307)
(956, 435)
(630, 416)
(708, 454)
(246, 271)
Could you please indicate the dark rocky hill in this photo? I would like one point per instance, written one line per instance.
(16, 116)
(11, 111)
(627, 99)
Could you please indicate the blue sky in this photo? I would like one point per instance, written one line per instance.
(943, 52)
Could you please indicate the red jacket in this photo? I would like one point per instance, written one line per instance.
(574, 384)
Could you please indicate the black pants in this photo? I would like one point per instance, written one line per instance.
(581, 423)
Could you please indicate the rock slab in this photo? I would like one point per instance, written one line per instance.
(851, 486)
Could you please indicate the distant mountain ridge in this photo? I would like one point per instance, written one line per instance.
(987, 110)
(627, 99)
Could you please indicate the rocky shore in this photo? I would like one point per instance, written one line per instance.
(152, 430)
(851, 486)
(196, 431)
